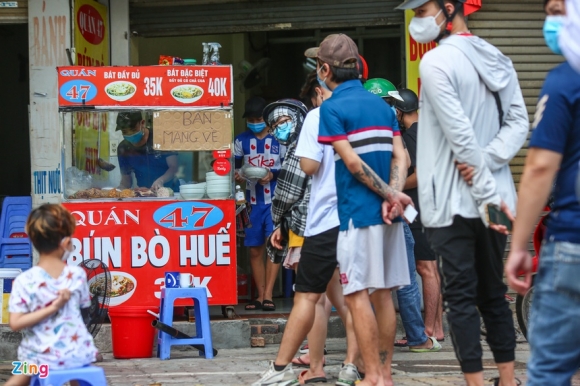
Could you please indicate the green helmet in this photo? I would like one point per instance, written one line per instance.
(382, 88)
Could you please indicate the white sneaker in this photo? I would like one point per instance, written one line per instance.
(272, 377)
(348, 375)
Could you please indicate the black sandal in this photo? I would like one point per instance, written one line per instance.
(399, 343)
(253, 306)
(496, 381)
(268, 305)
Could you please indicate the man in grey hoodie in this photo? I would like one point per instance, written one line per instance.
(473, 115)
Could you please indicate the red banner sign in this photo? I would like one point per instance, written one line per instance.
(140, 241)
(163, 86)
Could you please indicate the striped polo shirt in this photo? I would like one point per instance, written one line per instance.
(369, 124)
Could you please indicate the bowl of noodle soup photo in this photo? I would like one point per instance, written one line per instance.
(187, 93)
(120, 90)
(122, 286)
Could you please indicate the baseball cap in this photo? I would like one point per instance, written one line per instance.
(411, 4)
(338, 50)
(128, 119)
(254, 107)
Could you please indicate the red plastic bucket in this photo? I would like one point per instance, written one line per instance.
(132, 332)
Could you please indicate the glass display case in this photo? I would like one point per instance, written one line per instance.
(116, 154)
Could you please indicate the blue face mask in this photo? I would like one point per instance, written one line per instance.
(282, 131)
(135, 138)
(256, 127)
(321, 82)
(552, 27)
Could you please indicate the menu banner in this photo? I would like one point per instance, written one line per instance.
(140, 241)
(160, 86)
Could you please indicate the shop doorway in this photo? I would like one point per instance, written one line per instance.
(381, 47)
(14, 101)
(284, 76)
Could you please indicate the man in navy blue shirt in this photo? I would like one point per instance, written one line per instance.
(554, 154)
(152, 168)
(371, 167)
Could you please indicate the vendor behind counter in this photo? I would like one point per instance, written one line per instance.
(152, 168)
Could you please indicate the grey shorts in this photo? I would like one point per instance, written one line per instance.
(372, 258)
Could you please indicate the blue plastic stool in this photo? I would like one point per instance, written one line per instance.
(87, 376)
(202, 325)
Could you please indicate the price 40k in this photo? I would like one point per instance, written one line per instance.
(217, 87)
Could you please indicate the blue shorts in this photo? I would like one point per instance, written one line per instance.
(262, 226)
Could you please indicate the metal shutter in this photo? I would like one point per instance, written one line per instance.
(515, 27)
(188, 17)
(14, 15)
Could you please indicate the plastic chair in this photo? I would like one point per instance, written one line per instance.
(12, 206)
(202, 325)
(16, 255)
(87, 376)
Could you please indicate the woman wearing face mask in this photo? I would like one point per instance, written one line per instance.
(290, 203)
(152, 168)
(45, 303)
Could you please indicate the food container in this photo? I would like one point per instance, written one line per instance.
(7, 276)
(255, 172)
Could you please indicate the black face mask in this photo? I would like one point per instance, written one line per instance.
(401, 124)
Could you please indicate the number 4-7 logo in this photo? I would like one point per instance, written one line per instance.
(78, 92)
(175, 219)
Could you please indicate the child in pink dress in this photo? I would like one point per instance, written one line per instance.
(46, 300)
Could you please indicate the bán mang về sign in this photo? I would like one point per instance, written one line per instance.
(192, 130)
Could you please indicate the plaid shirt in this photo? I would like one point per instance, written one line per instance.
(292, 193)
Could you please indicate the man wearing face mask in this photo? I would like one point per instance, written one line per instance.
(371, 168)
(554, 155)
(152, 168)
(256, 147)
(317, 267)
(475, 113)
(424, 257)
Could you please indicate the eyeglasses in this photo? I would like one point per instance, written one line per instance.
(279, 122)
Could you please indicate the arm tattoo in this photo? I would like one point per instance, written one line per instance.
(368, 177)
(395, 181)
(383, 355)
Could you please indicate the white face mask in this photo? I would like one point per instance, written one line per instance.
(67, 253)
(425, 29)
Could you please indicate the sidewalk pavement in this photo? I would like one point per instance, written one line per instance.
(244, 366)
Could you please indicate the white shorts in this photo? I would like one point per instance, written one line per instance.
(372, 258)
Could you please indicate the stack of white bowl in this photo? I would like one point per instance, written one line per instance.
(218, 186)
(192, 191)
